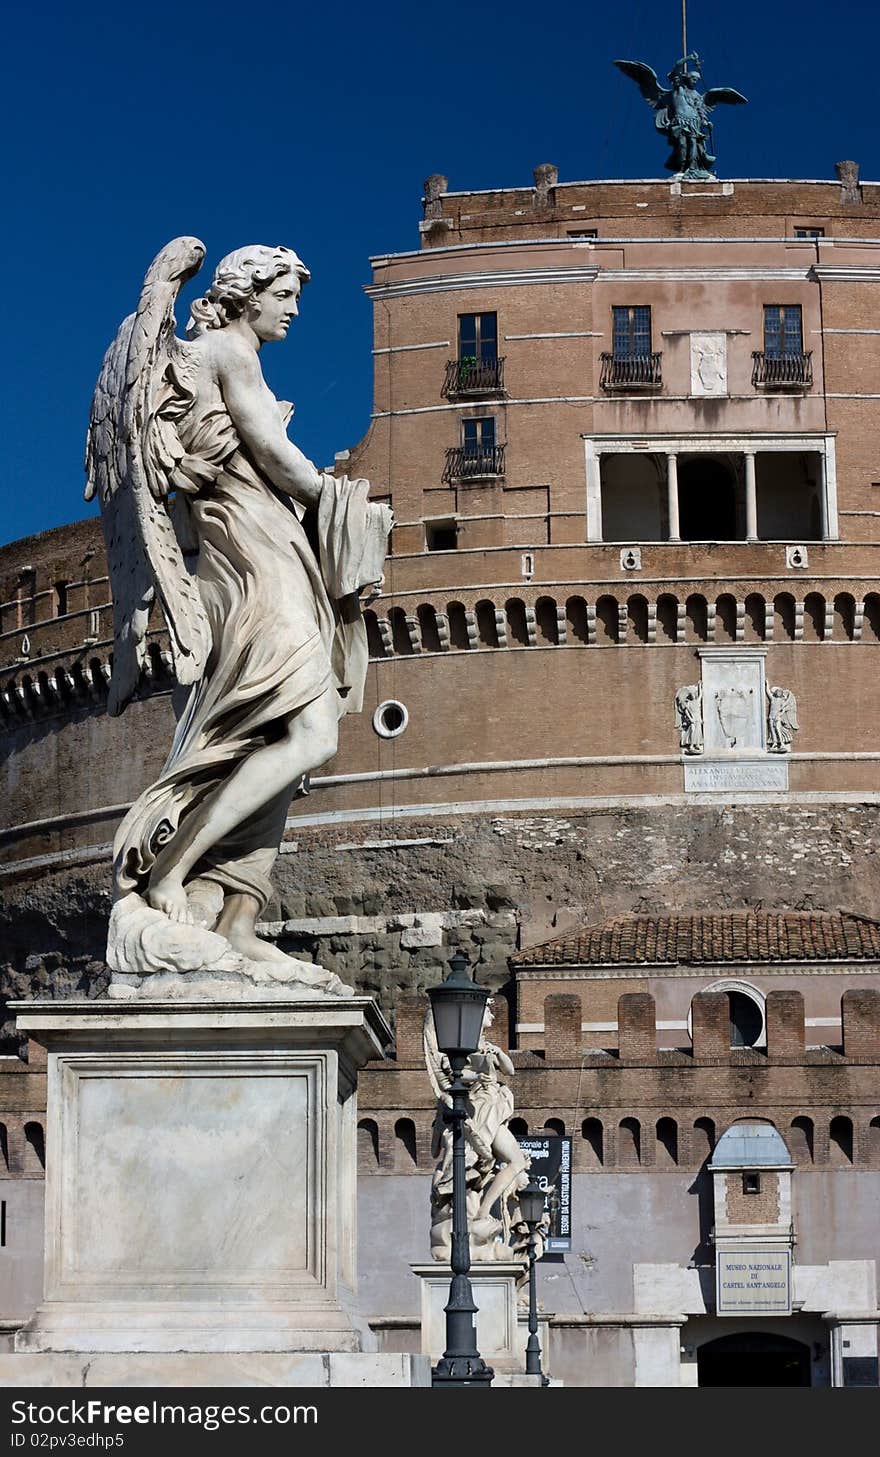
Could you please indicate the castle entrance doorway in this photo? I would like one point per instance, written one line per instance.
(753, 1358)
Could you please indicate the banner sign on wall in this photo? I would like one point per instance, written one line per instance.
(551, 1169)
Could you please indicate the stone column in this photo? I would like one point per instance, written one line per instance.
(672, 496)
(829, 489)
(594, 492)
(823, 499)
(751, 497)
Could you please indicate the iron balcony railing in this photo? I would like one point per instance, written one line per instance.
(631, 371)
(470, 376)
(782, 371)
(469, 463)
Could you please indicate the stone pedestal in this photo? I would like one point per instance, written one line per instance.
(200, 1176)
(494, 1287)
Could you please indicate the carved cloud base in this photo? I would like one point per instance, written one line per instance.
(200, 1174)
(152, 956)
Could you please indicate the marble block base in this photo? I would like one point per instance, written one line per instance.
(361, 1369)
(494, 1287)
(200, 1174)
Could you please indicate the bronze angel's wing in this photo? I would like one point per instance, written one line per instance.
(719, 94)
(645, 79)
(133, 458)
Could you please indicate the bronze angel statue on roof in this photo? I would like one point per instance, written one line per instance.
(682, 113)
(258, 561)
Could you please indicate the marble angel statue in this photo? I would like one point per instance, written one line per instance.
(782, 719)
(494, 1161)
(209, 509)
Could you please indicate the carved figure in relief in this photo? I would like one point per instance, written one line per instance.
(494, 1160)
(208, 507)
(782, 723)
(689, 717)
(709, 355)
(734, 709)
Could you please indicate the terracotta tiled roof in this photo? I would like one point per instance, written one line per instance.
(728, 936)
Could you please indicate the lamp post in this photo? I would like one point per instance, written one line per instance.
(531, 1206)
(457, 1005)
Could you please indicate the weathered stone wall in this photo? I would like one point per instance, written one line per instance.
(384, 906)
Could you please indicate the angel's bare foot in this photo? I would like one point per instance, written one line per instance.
(237, 922)
(168, 896)
(245, 940)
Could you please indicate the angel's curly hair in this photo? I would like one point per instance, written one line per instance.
(238, 277)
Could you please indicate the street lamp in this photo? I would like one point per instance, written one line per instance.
(458, 1005)
(531, 1208)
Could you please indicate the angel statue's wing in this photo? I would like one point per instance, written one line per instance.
(133, 460)
(718, 94)
(645, 79)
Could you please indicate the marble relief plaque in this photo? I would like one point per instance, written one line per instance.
(708, 364)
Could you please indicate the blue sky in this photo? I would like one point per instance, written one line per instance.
(257, 123)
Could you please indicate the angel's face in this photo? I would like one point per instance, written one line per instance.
(270, 313)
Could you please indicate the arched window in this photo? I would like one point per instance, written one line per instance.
(667, 1142)
(405, 1134)
(637, 613)
(871, 626)
(725, 618)
(4, 1147)
(592, 1134)
(607, 622)
(844, 616)
(547, 627)
(703, 1139)
(746, 1012)
(629, 1143)
(35, 1140)
(840, 1141)
(517, 630)
(519, 1127)
(814, 617)
(756, 620)
(667, 618)
(783, 616)
(555, 1126)
(375, 645)
(400, 632)
(697, 618)
(428, 626)
(576, 617)
(801, 1140)
(487, 630)
(368, 1145)
(458, 633)
(874, 1142)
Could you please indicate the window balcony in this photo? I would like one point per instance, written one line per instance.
(466, 463)
(631, 371)
(469, 377)
(782, 371)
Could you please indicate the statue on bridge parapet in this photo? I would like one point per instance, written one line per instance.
(494, 1162)
(208, 507)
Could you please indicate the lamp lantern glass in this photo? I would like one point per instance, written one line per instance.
(531, 1203)
(458, 1006)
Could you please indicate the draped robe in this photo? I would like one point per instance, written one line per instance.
(285, 627)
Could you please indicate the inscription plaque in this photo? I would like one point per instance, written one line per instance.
(706, 775)
(753, 1282)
